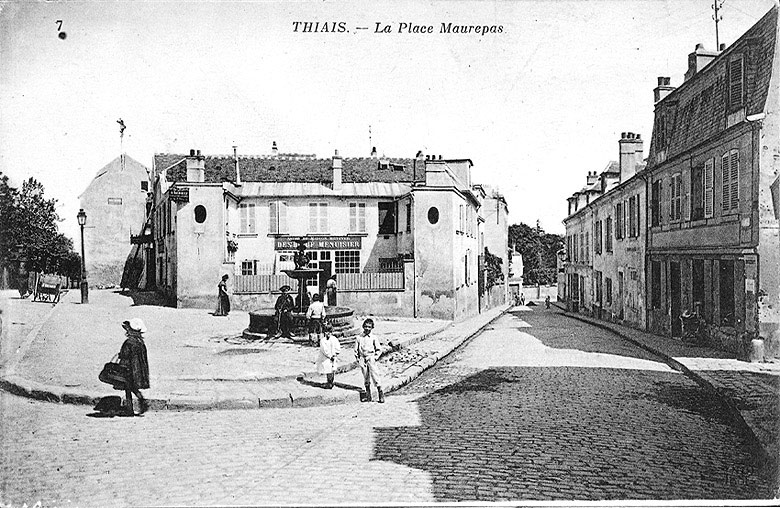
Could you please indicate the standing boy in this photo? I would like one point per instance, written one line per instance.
(367, 352)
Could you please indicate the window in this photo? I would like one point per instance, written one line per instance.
(200, 214)
(676, 198)
(697, 192)
(597, 237)
(727, 292)
(347, 261)
(599, 290)
(608, 291)
(357, 217)
(709, 191)
(247, 213)
(633, 216)
(655, 204)
(608, 234)
(619, 225)
(318, 217)
(460, 218)
(655, 284)
(466, 267)
(387, 218)
(249, 267)
(433, 215)
(277, 212)
(114, 201)
(730, 172)
(587, 247)
(145, 185)
(736, 83)
(409, 217)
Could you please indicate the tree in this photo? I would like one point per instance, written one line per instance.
(28, 231)
(493, 272)
(539, 250)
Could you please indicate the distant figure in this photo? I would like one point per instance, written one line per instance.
(315, 315)
(133, 356)
(283, 307)
(367, 353)
(547, 302)
(329, 349)
(330, 291)
(522, 299)
(223, 298)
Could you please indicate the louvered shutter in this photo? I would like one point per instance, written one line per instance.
(273, 223)
(685, 178)
(725, 184)
(735, 179)
(735, 83)
(709, 195)
(282, 217)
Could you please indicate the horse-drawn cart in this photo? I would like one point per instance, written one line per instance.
(47, 289)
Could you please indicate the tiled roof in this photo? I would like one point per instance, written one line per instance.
(697, 110)
(289, 169)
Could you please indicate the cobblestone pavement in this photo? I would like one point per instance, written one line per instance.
(537, 407)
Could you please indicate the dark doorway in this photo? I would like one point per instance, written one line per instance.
(325, 274)
(676, 297)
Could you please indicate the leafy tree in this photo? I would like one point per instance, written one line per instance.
(28, 231)
(539, 250)
(493, 272)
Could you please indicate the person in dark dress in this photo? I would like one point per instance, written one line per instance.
(284, 306)
(133, 357)
(223, 299)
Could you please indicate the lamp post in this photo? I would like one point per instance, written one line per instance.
(82, 218)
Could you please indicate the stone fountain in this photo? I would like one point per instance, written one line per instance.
(262, 323)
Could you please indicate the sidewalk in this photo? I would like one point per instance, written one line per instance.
(199, 361)
(750, 391)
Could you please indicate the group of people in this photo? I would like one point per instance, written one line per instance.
(133, 355)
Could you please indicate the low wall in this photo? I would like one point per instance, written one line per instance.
(380, 303)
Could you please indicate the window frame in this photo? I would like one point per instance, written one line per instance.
(357, 217)
(247, 213)
(318, 217)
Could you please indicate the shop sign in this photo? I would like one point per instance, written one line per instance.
(320, 243)
(179, 194)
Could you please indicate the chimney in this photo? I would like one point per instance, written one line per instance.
(631, 149)
(592, 177)
(196, 167)
(274, 150)
(373, 152)
(699, 60)
(337, 172)
(238, 170)
(663, 89)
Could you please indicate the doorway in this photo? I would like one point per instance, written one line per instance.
(675, 297)
(326, 267)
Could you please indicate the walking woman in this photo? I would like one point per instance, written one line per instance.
(223, 299)
(133, 356)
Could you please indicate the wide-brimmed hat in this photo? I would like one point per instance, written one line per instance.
(285, 288)
(134, 325)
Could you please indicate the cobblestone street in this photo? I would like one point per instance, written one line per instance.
(538, 406)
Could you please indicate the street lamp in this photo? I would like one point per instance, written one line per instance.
(82, 218)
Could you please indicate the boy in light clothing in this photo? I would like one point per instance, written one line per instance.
(367, 352)
(329, 349)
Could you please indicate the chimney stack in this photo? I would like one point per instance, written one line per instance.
(699, 60)
(337, 172)
(196, 167)
(274, 150)
(631, 150)
(663, 89)
(373, 152)
(592, 177)
(238, 170)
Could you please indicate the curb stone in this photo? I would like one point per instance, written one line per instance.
(734, 415)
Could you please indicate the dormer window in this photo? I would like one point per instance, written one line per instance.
(383, 164)
(736, 79)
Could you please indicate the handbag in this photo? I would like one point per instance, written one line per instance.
(114, 373)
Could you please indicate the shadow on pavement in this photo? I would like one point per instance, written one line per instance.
(553, 433)
(144, 297)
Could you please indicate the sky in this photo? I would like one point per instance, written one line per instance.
(535, 106)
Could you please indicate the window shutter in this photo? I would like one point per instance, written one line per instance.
(273, 220)
(323, 218)
(725, 174)
(282, 206)
(686, 199)
(735, 179)
(709, 184)
(735, 83)
(362, 217)
(352, 217)
(313, 217)
(638, 216)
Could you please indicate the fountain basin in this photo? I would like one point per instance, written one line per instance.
(262, 324)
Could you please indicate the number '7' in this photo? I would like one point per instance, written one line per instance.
(60, 24)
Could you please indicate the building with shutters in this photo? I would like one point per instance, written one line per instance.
(713, 222)
(402, 235)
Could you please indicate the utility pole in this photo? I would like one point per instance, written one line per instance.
(716, 6)
(538, 261)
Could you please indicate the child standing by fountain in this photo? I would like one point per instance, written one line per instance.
(329, 348)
